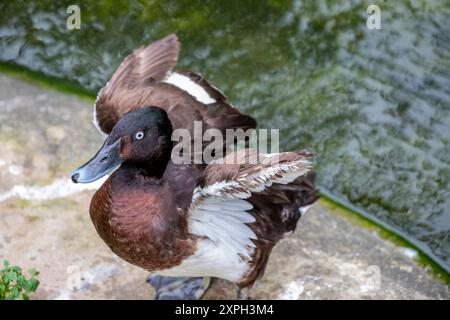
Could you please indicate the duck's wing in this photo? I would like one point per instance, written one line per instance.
(152, 62)
(221, 208)
(145, 64)
(216, 109)
(145, 79)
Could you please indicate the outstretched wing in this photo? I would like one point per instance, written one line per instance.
(151, 63)
(219, 210)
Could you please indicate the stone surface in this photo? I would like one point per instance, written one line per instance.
(44, 222)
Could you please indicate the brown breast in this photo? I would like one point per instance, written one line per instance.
(137, 218)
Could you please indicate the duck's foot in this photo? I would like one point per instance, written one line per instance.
(243, 293)
(178, 288)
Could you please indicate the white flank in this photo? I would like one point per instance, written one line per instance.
(57, 189)
(210, 260)
(194, 89)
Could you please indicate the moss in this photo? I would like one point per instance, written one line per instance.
(65, 203)
(32, 218)
(13, 138)
(20, 203)
(41, 80)
(358, 219)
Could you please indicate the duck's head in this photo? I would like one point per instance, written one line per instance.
(141, 137)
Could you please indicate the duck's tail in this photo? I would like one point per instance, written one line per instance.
(304, 194)
(279, 209)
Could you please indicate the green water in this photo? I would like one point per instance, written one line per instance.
(374, 104)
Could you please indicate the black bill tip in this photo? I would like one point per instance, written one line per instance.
(75, 177)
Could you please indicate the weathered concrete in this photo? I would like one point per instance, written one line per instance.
(44, 222)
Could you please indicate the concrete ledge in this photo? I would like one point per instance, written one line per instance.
(44, 222)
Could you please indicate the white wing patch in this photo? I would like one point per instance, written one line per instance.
(225, 221)
(194, 89)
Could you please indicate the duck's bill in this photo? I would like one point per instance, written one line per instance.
(105, 161)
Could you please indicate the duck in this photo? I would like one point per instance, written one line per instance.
(219, 219)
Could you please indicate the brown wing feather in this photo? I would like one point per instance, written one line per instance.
(276, 212)
(143, 65)
(154, 61)
(159, 58)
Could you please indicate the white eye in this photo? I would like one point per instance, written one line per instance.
(139, 135)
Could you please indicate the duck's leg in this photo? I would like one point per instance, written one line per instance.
(178, 288)
(243, 293)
